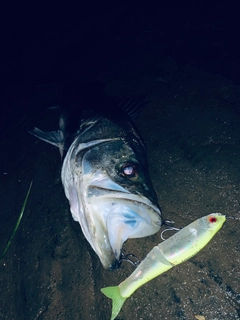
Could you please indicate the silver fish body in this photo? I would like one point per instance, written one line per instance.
(106, 180)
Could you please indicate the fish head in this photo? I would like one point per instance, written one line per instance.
(110, 194)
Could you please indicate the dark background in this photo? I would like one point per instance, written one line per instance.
(41, 39)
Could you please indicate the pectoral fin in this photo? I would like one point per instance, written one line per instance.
(55, 138)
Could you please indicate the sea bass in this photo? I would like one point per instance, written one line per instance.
(105, 174)
(180, 247)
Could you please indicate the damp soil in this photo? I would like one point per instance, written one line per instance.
(191, 128)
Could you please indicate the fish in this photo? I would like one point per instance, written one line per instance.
(105, 172)
(178, 248)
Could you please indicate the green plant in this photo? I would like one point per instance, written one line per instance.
(18, 222)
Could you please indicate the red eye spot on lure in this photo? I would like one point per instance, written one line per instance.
(212, 219)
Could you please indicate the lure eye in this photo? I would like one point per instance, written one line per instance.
(212, 219)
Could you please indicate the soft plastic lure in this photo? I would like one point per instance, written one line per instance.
(175, 250)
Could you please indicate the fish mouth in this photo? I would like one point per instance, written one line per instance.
(122, 215)
(109, 214)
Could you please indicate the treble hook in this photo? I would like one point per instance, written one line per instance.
(126, 257)
(168, 222)
(169, 229)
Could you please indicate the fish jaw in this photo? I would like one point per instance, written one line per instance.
(125, 216)
(108, 220)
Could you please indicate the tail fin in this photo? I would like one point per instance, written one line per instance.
(117, 300)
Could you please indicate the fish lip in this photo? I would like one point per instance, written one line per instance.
(136, 202)
(121, 195)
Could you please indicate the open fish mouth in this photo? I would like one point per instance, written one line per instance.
(123, 215)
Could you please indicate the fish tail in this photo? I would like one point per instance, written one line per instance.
(117, 300)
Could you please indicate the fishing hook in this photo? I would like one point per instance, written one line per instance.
(168, 222)
(169, 229)
(127, 257)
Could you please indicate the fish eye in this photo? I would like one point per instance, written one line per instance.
(129, 170)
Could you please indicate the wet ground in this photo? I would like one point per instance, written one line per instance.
(192, 132)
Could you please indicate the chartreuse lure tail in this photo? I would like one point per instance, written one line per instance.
(117, 299)
(175, 250)
(18, 222)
